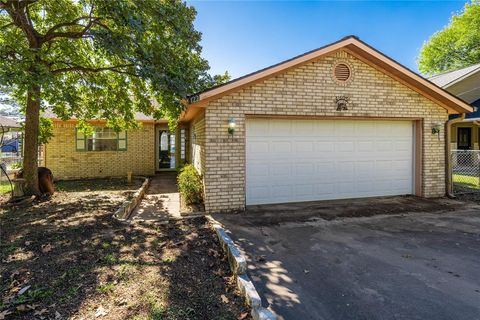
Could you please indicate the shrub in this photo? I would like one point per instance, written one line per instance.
(190, 185)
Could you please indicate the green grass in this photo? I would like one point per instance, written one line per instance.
(466, 181)
(5, 187)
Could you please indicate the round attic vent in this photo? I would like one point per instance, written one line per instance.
(342, 72)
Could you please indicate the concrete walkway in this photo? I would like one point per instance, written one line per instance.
(161, 200)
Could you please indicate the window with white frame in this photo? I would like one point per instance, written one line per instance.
(102, 139)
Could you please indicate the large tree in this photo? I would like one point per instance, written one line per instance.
(456, 46)
(92, 59)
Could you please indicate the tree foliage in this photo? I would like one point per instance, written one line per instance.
(102, 59)
(97, 59)
(456, 46)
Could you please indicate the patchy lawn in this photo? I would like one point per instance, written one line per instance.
(5, 187)
(68, 258)
(471, 182)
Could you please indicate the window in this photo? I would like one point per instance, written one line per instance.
(102, 139)
(182, 145)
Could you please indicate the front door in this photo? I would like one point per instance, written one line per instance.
(166, 150)
(464, 138)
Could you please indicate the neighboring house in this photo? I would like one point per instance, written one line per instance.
(10, 139)
(465, 84)
(7, 124)
(11, 145)
(342, 121)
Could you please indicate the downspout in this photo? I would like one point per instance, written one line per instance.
(448, 151)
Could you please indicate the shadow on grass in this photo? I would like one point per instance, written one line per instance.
(88, 185)
(75, 259)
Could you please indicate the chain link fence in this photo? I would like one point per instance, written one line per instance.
(9, 162)
(466, 171)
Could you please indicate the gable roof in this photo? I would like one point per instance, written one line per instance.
(449, 78)
(9, 123)
(355, 47)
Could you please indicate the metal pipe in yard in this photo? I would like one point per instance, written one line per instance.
(448, 152)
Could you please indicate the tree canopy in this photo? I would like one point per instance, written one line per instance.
(97, 59)
(456, 46)
(102, 59)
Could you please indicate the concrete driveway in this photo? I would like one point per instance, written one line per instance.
(399, 266)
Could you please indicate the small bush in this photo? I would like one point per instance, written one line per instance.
(190, 185)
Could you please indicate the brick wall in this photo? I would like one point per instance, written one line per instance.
(310, 90)
(67, 163)
(197, 138)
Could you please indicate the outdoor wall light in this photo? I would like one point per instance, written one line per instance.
(231, 125)
(436, 128)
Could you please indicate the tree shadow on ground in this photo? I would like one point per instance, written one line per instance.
(76, 261)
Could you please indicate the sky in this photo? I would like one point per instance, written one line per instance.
(244, 36)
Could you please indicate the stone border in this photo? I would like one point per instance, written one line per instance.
(125, 210)
(238, 265)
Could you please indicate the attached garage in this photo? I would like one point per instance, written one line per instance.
(306, 160)
(342, 121)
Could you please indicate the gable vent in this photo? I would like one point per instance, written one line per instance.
(342, 72)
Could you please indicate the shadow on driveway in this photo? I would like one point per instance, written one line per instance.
(423, 265)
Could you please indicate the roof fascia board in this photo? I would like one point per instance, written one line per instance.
(396, 78)
(348, 43)
(269, 72)
(395, 65)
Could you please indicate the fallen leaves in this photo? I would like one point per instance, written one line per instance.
(23, 290)
(100, 312)
(47, 248)
(4, 314)
(224, 298)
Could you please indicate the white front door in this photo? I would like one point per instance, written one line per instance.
(307, 160)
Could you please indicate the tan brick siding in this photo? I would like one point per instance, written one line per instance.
(197, 138)
(68, 163)
(310, 90)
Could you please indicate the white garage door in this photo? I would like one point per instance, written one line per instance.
(305, 160)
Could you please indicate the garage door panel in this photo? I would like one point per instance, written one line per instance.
(306, 128)
(256, 148)
(344, 129)
(305, 160)
(345, 146)
(366, 146)
(257, 128)
(324, 146)
(324, 129)
(304, 146)
(364, 170)
(282, 191)
(281, 128)
(384, 146)
(259, 169)
(305, 169)
(280, 169)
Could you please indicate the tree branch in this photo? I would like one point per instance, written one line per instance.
(52, 34)
(7, 25)
(19, 12)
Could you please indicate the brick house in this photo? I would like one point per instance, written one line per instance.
(342, 121)
(465, 84)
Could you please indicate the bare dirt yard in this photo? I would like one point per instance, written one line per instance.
(67, 258)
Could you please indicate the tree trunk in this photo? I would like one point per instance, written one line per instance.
(30, 154)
